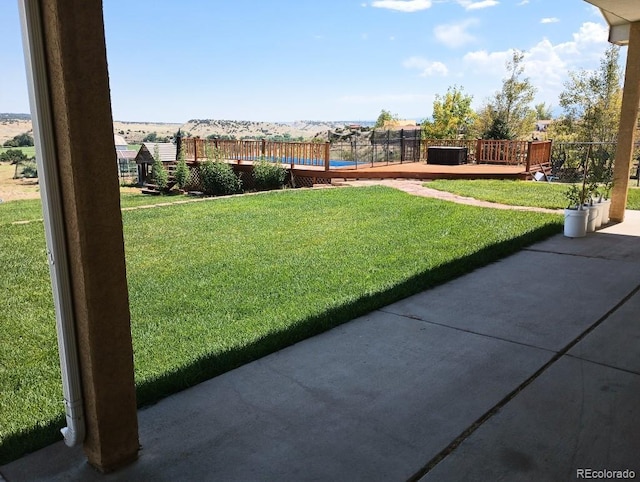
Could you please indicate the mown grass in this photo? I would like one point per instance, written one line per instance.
(29, 151)
(31, 209)
(218, 283)
(518, 193)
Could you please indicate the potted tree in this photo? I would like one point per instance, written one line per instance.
(601, 181)
(576, 214)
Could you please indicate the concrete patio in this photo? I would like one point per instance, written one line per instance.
(527, 369)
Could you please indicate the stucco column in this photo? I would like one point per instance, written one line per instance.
(83, 132)
(627, 129)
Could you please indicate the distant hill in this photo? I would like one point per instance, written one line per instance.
(258, 130)
(14, 124)
(26, 117)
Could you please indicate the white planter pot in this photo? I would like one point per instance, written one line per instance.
(600, 208)
(592, 218)
(606, 207)
(575, 223)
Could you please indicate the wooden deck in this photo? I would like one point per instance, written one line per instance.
(421, 170)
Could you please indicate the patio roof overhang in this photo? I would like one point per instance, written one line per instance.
(619, 14)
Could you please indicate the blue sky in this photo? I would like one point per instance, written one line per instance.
(286, 60)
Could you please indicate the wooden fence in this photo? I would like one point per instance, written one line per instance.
(294, 154)
(486, 151)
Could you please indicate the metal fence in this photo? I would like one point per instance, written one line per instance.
(568, 158)
(377, 148)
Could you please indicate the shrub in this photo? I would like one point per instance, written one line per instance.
(29, 169)
(21, 140)
(182, 171)
(158, 172)
(218, 179)
(14, 156)
(268, 175)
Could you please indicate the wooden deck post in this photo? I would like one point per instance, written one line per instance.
(529, 146)
(195, 150)
(327, 154)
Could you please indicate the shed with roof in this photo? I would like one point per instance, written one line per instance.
(146, 157)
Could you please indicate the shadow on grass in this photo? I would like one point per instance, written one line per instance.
(205, 368)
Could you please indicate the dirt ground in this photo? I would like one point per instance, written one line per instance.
(13, 189)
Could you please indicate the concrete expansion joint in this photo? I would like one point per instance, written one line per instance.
(496, 408)
(463, 330)
(562, 253)
(606, 365)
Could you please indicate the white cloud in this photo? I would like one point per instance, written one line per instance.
(523, 2)
(484, 62)
(545, 63)
(403, 5)
(426, 67)
(550, 20)
(471, 5)
(455, 35)
(591, 32)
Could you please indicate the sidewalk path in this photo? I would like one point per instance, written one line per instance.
(417, 189)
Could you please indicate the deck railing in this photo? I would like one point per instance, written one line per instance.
(501, 152)
(305, 154)
(292, 153)
(489, 151)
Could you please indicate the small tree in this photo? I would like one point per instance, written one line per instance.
(591, 103)
(15, 157)
(498, 130)
(29, 169)
(452, 115)
(158, 172)
(543, 111)
(384, 117)
(182, 170)
(512, 103)
(151, 137)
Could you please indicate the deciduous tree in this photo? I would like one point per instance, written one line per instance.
(512, 104)
(384, 117)
(452, 116)
(591, 103)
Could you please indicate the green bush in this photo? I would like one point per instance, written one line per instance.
(29, 169)
(218, 179)
(159, 174)
(182, 171)
(21, 140)
(268, 175)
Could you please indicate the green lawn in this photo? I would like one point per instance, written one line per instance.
(518, 193)
(31, 210)
(28, 151)
(215, 284)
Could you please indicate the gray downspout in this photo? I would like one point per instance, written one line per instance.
(41, 115)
